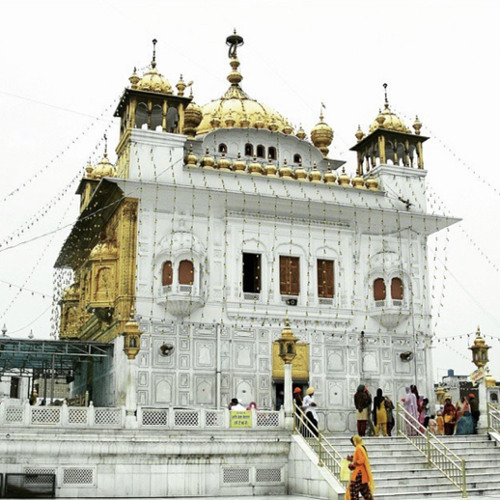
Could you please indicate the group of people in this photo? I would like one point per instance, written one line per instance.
(236, 405)
(308, 406)
(461, 418)
(379, 417)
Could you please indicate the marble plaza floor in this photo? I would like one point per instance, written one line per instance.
(298, 497)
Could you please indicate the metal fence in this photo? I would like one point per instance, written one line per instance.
(437, 453)
(493, 414)
(65, 416)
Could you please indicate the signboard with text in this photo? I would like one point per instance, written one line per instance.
(477, 375)
(240, 419)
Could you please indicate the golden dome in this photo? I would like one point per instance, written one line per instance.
(330, 177)
(181, 86)
(315, 174)
(207, 161)
(191, 158)
(300, 173)
(239, 165)
(224, 163)
(255, 167)
(417, 125)
(134, 79)
(192, 118)
(286, 171)
(153, 80)
(271, 169)
(104, 251)
(344, 179)
(371, 183)
(236, 108)
(359, 134)
(322, 135)
(358, 182)
(103, 169)
(490, 379)
(301, 134)
(387, 120)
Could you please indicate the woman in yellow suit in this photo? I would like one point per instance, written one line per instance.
(379, 414)
(361, 476)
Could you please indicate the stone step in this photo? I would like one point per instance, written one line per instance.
(443, 495)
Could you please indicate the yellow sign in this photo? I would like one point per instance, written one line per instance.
(477, 375)
(240, 419)
(300, 364)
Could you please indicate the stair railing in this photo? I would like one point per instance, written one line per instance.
(328, 456)
(493, 414)
(437, 453)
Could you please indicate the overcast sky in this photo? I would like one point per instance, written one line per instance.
(64, 65)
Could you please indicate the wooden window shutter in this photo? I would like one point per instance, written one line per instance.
(379, 289)
(289, 275)
(167, 273)
(186, 272)
(326, 282)
(397, 289)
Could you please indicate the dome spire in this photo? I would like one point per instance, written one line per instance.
(105, 146)
(153, 61)
(234, 41)
(386, 101)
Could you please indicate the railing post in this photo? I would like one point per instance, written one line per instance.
(2, 412)
(64, 414)
(320, 454)
(91, 414)
(488, 415)
(397, 418)
(464, 480)
(427, 437)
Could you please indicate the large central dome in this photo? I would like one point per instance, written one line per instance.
(236, 109)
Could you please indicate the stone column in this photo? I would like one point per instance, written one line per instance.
(288, 397)
(131, 395)
(482, 424)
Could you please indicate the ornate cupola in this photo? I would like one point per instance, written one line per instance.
(389, 141)
(150, 103)
(322, 135)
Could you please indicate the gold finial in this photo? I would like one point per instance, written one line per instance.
(386, 101)
(181, 86)
(153, 61)
(105, 146)
(234, 41)
(417, 125)
(359, 134)
(134, 79)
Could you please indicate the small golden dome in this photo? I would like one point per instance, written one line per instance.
(300, 173)
(105, 250)
(387, 120)
(154, 81)
(224, 163)
(214, 122)
(286, 171)
(315, 174)
(89, 169)
(322, 135)
(271, 169)
(245, 111)
(359, 134)
(103, 169)
(417, 125)
(287, 129)
(330, 177)
(344, 179)
(371, 183)
(358, 182)
(191, 158)
(134, 79)
(255, 167)
(229, 121)
(301, 134)
(192, 118)
(239, 165)
(207, 161)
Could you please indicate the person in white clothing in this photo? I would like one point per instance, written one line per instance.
(309, 408)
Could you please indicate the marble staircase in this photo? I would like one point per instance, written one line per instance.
(401, 471)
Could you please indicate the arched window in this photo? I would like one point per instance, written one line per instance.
(167, 275)
(389, 153)
(186, 272)
(156, 118)
(248, 150)
(222, 148)
(141, 115)
(172, 119)
(271, 153)
(379, 289)
(261, 151)
(297, 158)
(396, 289)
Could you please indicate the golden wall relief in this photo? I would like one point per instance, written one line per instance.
(300, 364)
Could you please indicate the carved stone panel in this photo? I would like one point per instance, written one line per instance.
(143, 379)
(264, 365)
(204, 354)
(184, 380)
(371, 362)
(335, 392)
(184, 361)
(243, 355)
(335, 360)
(264, 383)
(163, 389)
(143, 398)
(244, 389)
(205, 390)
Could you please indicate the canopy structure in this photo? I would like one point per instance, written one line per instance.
(21, 355)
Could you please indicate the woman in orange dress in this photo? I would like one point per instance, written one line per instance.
(361, 476)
